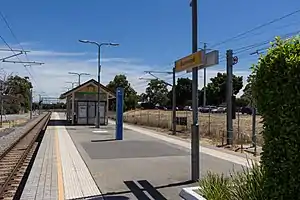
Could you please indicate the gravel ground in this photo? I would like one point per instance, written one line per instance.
(8, 136)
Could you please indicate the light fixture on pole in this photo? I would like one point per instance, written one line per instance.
(99, 71)
(79, 75)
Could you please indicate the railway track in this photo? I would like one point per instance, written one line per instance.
(15, 159)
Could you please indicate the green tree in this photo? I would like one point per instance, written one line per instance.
(241, 102)
(275, 87)
(18, 88)
(157, 92)
(143, 97)
(184, 93)
(247, 93)
(130, 95)
(216, 89)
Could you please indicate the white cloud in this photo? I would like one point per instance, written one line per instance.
(51, 78)
(54, 53)
(116, 60)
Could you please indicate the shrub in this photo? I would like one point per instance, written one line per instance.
(215, 187)
(248, 184)
(245, 185)
(276, 90)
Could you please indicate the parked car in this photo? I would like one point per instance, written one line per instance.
(187, 108)
(246, 110)
(221, 110)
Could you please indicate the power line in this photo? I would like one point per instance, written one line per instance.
(17, 58)
(11, 31)
(256, 28)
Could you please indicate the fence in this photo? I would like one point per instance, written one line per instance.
(211, 125)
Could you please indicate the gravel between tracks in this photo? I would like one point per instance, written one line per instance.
(8, 139)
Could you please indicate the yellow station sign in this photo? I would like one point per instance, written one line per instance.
(190, 61)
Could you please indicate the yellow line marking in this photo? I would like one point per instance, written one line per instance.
(60, 181)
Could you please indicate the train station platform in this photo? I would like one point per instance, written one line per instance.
(58, 171)
(81, 162)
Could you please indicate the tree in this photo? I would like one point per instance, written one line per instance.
(157, 92)
(247, 93)
(241, 102)
(275, 88)
(18, 89)
(130, 95)
(143, 97)
(216, 89)
(184, 93)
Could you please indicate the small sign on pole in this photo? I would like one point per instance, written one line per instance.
(235, 60)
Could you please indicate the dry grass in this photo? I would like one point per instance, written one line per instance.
(212, 126)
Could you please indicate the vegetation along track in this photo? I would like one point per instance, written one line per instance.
(15, 159)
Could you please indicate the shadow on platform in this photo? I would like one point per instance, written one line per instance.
(105, 198)
(104, 140)
(56, 122)
(146, 186)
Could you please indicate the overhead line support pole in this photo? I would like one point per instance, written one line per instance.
(195, 126)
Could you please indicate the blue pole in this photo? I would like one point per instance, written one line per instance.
(119, 113)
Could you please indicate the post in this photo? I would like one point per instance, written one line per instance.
(79, 79)
(254, 129)
(204, 77)
(1, 124)
(73, 108)
(40, 104)
(229, 97)
(119, 119)
(98, 95)
(30, 103)
(174, 104)
(195, 125)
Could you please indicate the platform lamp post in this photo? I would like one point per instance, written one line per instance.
(79, 75)
(99, 71)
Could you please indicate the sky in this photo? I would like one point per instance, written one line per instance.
(152, 35)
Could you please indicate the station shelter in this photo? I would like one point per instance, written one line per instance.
(81, 103)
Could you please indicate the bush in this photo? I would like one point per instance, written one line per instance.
(245, 185)
(276, 90)
(215, 187)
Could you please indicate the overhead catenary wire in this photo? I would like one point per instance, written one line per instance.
(15, 37)
(256, 28)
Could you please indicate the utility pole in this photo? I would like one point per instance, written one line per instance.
(174, 121)
(204, 80)
(30, 102)
(229, 97)
(40, 104)
(195, 126)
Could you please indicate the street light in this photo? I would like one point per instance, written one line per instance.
(79, 75)
(99, 71)
(73, 83)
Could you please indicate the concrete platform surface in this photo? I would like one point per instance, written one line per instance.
(58, 171)
(140, 166)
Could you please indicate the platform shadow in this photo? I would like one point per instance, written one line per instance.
(100, 197)
(104, 140)
(146, 186)
(58, 122)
